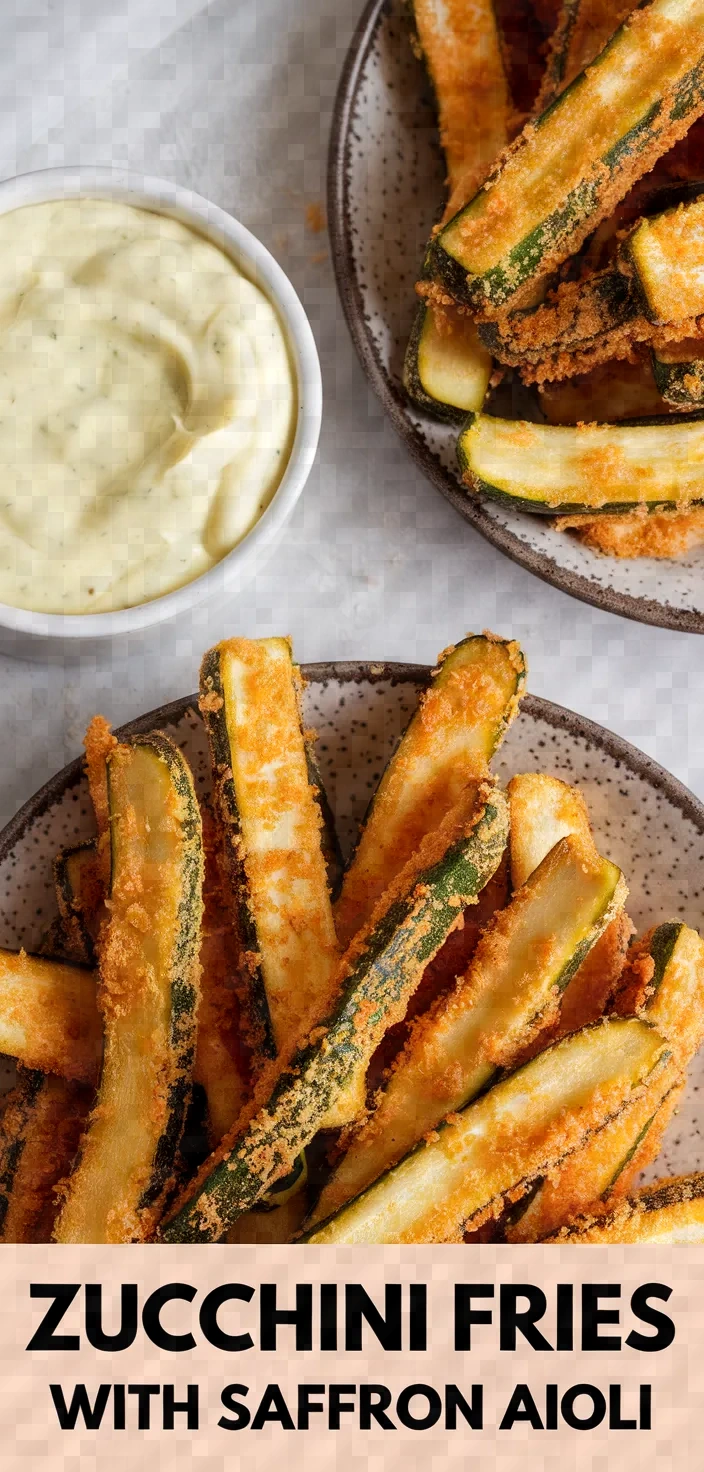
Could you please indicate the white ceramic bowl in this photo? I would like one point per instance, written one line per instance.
(33, 634)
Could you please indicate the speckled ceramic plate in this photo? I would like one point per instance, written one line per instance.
(644, 819)
(385, 192)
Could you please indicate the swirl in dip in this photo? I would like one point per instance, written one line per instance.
(147, 405)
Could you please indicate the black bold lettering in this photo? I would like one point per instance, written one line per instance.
(306, 1405)
(593, 1316)
(273, 1407)
(521, 1407)
(472, 1411)
(359, 1306)
(418, 1326)
(63, 1295)
(595, 1416)
(465, 1315)
(271, 1316)
(151, 1320)
(565, 1317)
(213, 1301)
(80, 1406)
(127, 1332)
(616, 1421)
(432, 1415)
(337, 1406)
(144, 1395)
(240, 1414)
(328, 1316)
(374, 1402)
(524, 1320)
(173, 1407)
(662, 1323)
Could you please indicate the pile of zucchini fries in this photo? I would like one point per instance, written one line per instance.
(452, 1037)
(571, 254)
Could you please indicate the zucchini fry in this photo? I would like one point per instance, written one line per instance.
(272, 837)
(664, 983)
(447, 369)
(543, 810)
(373, 983)
(48, 1016)
(39, 1133)
(556, 470)
(497, 1145)
(524, 960)
(568, 170)
(460, 722)
(148, 997)
(99, 742)
(669, 1213)
(583, 29)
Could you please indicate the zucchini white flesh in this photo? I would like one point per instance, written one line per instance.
(39, 1133)
(498, 1144)
(272, 832)
(460, 722)
(374, 982)
(670, 1213)
(543, 810)
(678, 371)
(79, 896)
(667, 982)
(568, 169)
(524, 960)
(148, 997)
(48, 1015)
(560, 469)
(667, 255)
(447, 368)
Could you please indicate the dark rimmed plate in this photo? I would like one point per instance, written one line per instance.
(385, 188)
(643, 818)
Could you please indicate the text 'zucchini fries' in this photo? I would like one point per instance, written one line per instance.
(211, 1049)
(576, 249)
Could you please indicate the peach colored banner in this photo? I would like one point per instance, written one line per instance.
(162, 1335)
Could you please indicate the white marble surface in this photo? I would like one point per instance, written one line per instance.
(234, 99)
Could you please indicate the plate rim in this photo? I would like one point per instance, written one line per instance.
(373, 672)
(641, 610)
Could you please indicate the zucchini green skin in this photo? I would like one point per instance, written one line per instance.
(680, 383)
(76, 930)
(541, 506)
(375, 980)
(260, 1024)
(422, 1191)
(418, 385)
(563, 230)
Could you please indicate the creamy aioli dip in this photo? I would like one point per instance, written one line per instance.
(147, 405)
